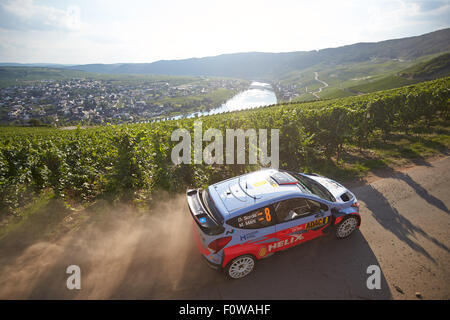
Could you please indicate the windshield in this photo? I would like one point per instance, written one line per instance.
(209, 204)
(313, 187)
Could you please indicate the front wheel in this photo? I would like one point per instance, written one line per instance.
(240, 267)
(346, 227)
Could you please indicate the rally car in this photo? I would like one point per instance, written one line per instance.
(243, 219)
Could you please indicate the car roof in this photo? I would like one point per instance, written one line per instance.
(254, 190)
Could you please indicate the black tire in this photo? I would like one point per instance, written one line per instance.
(346, 227)
(240, 266)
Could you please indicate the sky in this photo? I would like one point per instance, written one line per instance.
(110, 31)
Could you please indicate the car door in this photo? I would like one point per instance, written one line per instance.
(252, 232)
(299, 220)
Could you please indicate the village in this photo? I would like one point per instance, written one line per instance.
(95, 101)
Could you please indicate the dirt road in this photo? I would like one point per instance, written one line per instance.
(405, 231)
(315, 93)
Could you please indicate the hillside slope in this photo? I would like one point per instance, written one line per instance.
(11, 75)
(432, 69)
(427, 70)
(272, 65)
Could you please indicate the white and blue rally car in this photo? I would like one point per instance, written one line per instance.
(243, 219)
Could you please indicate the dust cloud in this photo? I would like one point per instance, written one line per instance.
(121, 256)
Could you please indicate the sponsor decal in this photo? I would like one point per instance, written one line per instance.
(260, 183)
(248, 235)
(297, 228)
(277, 245)
(230, 232)
(262, 251)
(316, 223)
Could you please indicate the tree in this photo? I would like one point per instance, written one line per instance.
(34, 122)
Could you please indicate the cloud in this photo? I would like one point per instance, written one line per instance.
(26, 15)
(429, 5)
(144, 31)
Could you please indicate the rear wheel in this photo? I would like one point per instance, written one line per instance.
(346, 227)
(240, 267)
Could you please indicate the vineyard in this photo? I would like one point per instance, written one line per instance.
(132, 162)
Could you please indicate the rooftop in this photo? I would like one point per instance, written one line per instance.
(240, 194)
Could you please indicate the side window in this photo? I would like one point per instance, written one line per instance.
(256, 219)
(297, 208)
(291, 209)
(316, 207)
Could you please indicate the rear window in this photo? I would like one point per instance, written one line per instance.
(211, 207)
(346, 197)
(313, 187)
(256, 219)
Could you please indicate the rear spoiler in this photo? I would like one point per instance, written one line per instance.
(347, 197)
(200, 214)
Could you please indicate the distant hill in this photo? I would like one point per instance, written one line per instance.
(42, 65)
(11, 75)
(432, 69)
(17, 75)
(258, 65)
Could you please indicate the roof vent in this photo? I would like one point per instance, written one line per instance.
(282, 178)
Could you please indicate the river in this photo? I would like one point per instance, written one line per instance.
(259, 94)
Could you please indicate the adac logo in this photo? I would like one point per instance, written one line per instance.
(316, 223)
